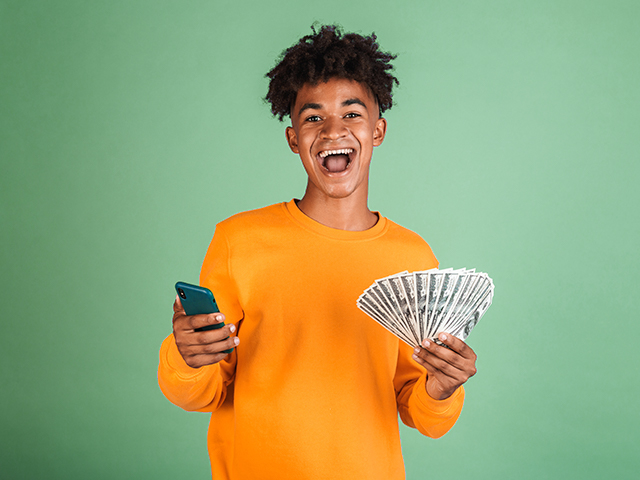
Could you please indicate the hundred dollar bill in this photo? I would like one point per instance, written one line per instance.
(403, 323)
(418, 305)
(402, 300)
(377, 314)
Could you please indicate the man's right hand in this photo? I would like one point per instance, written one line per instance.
(201, 348)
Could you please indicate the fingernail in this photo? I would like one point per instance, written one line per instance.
(218, 318)
(236, 340)
(232, 328)
(443, 336)
(415, 357)
(416, 350)
(426, 343)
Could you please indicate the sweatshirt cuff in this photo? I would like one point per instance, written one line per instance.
(437, 406)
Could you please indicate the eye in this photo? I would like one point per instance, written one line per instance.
(352, 115)
(312, 118)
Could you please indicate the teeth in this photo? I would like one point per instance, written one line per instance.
(342, 151)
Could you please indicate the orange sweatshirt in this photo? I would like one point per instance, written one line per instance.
(314, 389)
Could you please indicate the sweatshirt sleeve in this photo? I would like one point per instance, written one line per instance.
(195, 389)
(205, 388)
(417, 409)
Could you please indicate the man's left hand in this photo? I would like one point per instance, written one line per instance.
(447, 368)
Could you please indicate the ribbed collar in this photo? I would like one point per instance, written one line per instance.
(308, 223)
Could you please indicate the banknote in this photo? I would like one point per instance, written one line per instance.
(418, 305)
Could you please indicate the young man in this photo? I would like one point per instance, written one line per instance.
(314, 387)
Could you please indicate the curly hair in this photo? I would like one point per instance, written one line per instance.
(329, 54)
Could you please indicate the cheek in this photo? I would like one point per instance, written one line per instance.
(365, 135)
(308, 163)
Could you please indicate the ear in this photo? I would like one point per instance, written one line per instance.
(292, 139)
(379, 131)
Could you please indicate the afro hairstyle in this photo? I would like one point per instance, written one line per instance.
(325, 55)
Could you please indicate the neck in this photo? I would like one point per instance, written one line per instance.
(350, 213)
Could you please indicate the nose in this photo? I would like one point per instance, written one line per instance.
(333, 128)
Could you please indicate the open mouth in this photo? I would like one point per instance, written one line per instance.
(336, 161)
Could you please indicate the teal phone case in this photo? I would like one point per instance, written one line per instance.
(198, 300)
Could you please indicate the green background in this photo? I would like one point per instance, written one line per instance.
(129, 128)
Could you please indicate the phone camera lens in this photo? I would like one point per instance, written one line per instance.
(181, 292)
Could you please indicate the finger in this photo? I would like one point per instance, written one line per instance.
(457, 345)
(436, 365)
(447, 361)
(211, 348)
(200, 321)
(443, 353)
(222, 346)
(209, 336)
(192, 322)
(450, 351)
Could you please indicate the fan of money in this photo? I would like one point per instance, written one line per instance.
(420, 305)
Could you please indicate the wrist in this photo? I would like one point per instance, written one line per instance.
(436, 392)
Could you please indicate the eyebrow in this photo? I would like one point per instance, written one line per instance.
(317, 106)
(353, 101)
(306, 106)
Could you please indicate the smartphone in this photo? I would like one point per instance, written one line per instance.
(198, 300)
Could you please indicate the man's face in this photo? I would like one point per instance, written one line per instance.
(335, 126)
